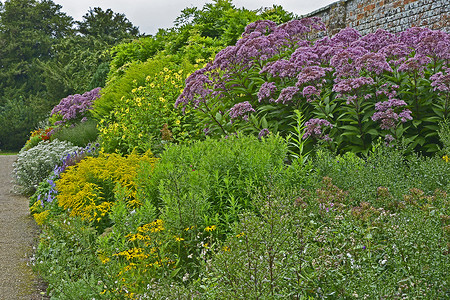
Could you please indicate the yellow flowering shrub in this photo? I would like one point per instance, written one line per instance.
(147, 118)
(87, 188)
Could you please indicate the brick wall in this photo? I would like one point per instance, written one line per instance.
(393, 15)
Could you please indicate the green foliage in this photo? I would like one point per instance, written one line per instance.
(218, 171)
(326, 242)
(66, 259)
(121, 87)
(79, 135)
(444, 136)
(107, 26)
(384, 167)
(270, 244)
(199, 33)
(147, 118)
(16, 121)
(27, 38)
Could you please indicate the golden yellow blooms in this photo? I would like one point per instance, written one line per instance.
(41, 217)
(211, 228)
(445, 158)
(84, 188)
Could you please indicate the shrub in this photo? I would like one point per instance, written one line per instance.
(74, 108)
(80, 134)
(36, 164)
(17, 118)
(324, 243)
(87, 188)
(147, 119)
(120, 87)
(356, 88)
(214, 174)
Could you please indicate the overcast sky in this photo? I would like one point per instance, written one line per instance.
(150, 15)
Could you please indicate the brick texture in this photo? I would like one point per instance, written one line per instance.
(392, 15)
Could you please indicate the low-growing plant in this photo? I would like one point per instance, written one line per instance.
(36, 164)
(66, 259)
(215, 172)
(80, 134)
(43, 203)
(324, 243)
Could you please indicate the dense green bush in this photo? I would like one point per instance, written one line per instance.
(120, 87)
(215, 172)
(146, 118)
(17, 118)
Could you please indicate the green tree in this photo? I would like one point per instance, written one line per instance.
(107, 25)
(28, 29)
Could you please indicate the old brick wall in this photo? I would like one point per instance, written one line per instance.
(393, 15)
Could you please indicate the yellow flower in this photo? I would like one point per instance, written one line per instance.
(177, 122)
(240, 235)
(211, 228)
(162, 99)
(226, 248)
(446, 158)
(166, 69)
(179, 239)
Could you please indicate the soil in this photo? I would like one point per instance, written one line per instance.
(18, 237)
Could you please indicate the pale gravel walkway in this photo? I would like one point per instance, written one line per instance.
(18, 234)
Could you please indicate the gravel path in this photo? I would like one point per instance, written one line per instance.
(18, 234)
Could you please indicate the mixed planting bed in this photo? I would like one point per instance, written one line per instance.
(286, 166)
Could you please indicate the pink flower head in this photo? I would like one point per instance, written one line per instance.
(314, 128)
(241, 110)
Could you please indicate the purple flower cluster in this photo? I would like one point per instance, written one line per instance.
(280, 68)
(241, 110)
(287, 94)
(311, 74)
(441, 82)
(416, 63)
(314, 128)
(72, 159)
(309, 92)
(266, 91)
(73, 107)
(427, 42)
(261, 41)
(387, 116)
(263, 133)
(196, 89)
(350, 84)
